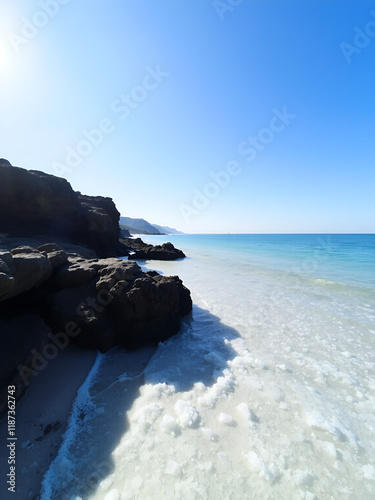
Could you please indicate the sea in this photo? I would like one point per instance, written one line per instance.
(267, 392)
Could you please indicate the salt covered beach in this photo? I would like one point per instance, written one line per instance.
(267, 392)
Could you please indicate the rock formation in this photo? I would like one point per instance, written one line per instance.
(21, 270)
(143, 251)
(112, 301)
(32, 203)
(96, 303)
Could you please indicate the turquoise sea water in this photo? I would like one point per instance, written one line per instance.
(268, 392)
(342, 258)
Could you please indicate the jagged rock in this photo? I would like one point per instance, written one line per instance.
(111, 301)
(98, 220)
(122, 306)
(6, 284)
(22, 269)
(55, 255)
(7, 281)
(124, 233)
(74, 274)
(34, 203)
(23, 249)
(151, 310)
(144, 251)
(49, 248)
(112, 272)
(6, 259)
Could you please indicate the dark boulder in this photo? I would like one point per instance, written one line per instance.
(22, 269)
(121, 306)
(74, 273)
(97, 224)
(55, 255)
(111, 302)
(144, 251)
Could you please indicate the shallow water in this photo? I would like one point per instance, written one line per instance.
(268, 392)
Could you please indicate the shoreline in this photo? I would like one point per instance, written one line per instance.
(42, 416)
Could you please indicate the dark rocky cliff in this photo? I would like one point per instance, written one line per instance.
(33, 203)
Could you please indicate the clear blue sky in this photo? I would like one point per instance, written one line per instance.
(180, 88)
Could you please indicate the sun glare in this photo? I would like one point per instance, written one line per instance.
(9, 26)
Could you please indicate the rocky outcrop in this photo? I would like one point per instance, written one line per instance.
(142, 251)
(98, 221)
(112, 301)
(105, 302)
(119, 304)
(33, 203)
(124, 233)
(21, 270)
(56, 256)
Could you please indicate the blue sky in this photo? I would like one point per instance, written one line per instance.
(157, 97)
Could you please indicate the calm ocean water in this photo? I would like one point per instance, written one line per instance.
(344, 258)
(267, 392)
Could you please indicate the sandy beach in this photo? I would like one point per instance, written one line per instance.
(41, 418)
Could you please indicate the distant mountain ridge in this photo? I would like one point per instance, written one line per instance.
(141, 226)
(167, 230)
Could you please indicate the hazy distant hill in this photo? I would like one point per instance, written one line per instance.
(141, 226)
(167, 230)
(138, 226)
